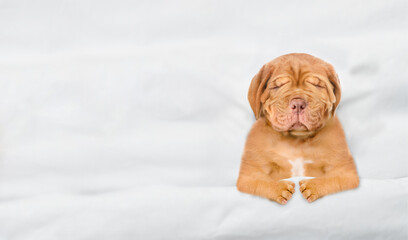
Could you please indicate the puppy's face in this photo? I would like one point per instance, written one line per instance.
(297, 93)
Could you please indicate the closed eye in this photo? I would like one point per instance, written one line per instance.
(277, 86)
(317, 85)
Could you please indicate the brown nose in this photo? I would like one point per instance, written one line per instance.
(297, 105)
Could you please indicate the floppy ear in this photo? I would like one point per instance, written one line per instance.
(256, 93)
(335, 95)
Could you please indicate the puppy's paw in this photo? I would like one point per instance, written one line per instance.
(309, 189)
(283, 191)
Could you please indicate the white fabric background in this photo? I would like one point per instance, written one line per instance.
(127, 119)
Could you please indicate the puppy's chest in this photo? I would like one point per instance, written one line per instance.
(298, 166)
(295, 161)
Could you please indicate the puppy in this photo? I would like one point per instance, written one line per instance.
(296, 133)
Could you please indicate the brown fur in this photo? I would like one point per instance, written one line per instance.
(272, 143)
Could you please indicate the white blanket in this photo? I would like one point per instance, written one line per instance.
(127, 119)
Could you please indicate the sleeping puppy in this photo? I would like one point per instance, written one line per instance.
(296, 133)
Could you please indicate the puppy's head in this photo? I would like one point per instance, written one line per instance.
(297, 93)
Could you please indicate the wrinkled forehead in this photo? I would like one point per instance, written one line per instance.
(300, 69)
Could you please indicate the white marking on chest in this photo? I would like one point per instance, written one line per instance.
(298, 167)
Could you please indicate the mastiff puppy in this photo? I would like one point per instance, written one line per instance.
(296, 133)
